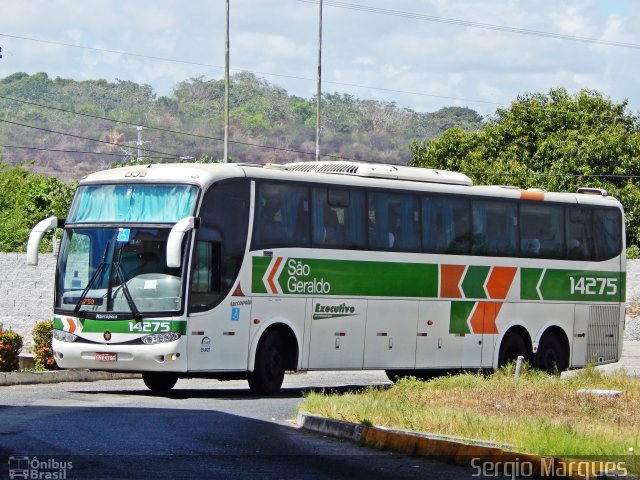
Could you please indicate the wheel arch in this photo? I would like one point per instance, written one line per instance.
(290, 336)
(520, 330)
(553, 328)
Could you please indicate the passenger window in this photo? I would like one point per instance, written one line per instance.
(494, 228)
(393, 222)
(607, 227)
(338, 218)
(282, 216)
(541, 230)
(446, 225)
(579, 233)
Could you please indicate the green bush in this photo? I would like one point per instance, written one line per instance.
(10, 345)
(42, 352)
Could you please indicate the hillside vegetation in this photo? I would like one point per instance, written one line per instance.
(260, 114)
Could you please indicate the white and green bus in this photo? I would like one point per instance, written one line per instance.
(245, 271)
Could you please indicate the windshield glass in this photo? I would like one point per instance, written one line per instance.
(117, 270)
(133, 202)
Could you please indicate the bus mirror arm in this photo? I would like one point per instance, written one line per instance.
(174, 243)
(35, 237)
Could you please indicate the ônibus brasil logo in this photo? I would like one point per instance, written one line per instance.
(38, 468)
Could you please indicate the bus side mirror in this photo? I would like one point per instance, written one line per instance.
(174, 243)
(35, 237)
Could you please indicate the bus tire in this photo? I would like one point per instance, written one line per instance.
(552, 355)
(512, 346)
(159, 382)
(268, 371)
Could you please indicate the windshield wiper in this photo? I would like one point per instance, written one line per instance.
(125, 289)
(98, 272)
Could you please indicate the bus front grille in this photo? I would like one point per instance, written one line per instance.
(602, 345)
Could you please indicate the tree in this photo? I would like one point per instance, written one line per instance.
(554, 141)
(25, 199)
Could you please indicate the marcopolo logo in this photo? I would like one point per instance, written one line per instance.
(333, 311)
(38, 469)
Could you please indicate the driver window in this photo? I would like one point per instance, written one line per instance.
(205, 275)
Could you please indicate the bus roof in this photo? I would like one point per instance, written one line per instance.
(359, 174)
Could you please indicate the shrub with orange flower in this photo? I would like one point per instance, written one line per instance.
(42, 352)
(10, 345)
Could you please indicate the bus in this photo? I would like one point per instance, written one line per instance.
(235, 271)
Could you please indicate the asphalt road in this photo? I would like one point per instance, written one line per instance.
(204, 429)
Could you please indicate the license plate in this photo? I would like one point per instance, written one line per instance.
(106, 357)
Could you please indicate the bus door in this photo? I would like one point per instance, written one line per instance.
(218, 327)
(390, 339)
(337, 333)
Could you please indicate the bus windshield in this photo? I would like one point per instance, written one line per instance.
(117, 270)
(133, 202)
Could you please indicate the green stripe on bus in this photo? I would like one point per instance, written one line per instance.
(126, 326)
(460, 312)
(303, 276)
(572, 285)
(260, 265)
(474, 280)
(529, 278)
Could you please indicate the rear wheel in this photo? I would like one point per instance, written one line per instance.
(268, 371)
(159, 382)
(512, 346)
(552, 355)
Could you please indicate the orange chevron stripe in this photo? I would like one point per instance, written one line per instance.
(500, 281)
(450, 276)
(483, 319)
(72, 325)
(273, 274)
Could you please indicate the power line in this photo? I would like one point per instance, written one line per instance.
(269, 74)
(56, 150)
(166, 130)
(506, 174)
(467, 23)
(84, 138)
(542, 174)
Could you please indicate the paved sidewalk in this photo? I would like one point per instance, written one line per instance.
(630, 360)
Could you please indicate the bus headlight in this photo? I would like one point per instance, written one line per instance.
(63, 336)
(160, 338)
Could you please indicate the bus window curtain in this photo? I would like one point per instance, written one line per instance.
(134, 203)
(355, 220)
(408, 235)
(479, 215)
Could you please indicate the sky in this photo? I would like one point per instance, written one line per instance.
(420, 54)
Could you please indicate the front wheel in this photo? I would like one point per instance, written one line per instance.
(268, 371)
(159, 382)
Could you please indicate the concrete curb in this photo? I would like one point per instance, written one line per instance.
(466, 452)
(58, 376)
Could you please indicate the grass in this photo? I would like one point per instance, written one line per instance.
(538, 413)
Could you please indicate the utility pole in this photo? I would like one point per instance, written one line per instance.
(139, 142)
(226, 90)
(319, 92)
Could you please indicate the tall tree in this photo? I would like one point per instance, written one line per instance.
(555, 141)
